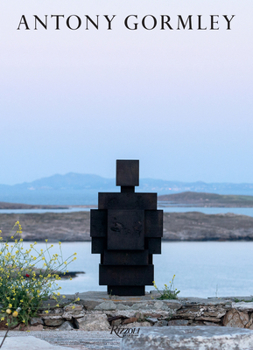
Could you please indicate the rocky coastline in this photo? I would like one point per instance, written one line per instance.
(75, 226)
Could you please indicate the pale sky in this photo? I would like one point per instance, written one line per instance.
(75, 101)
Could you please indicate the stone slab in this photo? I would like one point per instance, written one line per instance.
(77, 339)
(243, 306)
(190, 338)
(29, 343)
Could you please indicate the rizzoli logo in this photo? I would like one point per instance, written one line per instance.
(123, 332)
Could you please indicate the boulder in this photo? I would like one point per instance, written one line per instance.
(34, 321)
(53, 321)
(235, 318)
(73, 311)
(106, 305)
(92, 322)
(116, 322)
(66, 326)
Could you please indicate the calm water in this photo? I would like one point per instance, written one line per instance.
(41, 211)
(202, 269)
(241, 211)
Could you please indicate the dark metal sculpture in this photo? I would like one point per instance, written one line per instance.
(126, 230)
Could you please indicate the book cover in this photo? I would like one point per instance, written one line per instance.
(84, 83)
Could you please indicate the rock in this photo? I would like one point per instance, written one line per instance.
(249, 325)
(74, 308)
(173, 304)
(71, 297)
(137, 325)
(201, 312)
(120, 313)
(52, 311)
(195, 323)
(140, 316)
(160, 305)
(34, 321)
(73, 311)
(161, 323)
(66, 326)
(122, 307)
(178, 323)
(110, 319)
(204, 338)
(116, 322)
(242, 306)
(152, 315)
(130, 320)
(140, 306)
(53, 321)
(106, 305)
(211, 324)
(57, 311)
(208, 319)
(205, 302)
(89, 304)
(92, 322)
(157, 306)
(152, 319)
(235, 318)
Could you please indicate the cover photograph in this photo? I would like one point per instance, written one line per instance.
(162, 86)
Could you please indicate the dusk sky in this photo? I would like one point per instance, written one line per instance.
(180, 101)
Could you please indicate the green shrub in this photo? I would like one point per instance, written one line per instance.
(169, 292)
(24, 284)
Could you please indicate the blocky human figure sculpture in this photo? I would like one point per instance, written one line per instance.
(126, 230)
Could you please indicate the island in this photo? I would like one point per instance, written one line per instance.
(75, 226)
(203, 199)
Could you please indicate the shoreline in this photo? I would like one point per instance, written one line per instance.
(75, 227)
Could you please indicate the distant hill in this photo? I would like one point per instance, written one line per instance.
(200, 199)
(8, 205)
(81, 189)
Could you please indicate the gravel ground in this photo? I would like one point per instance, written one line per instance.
(79, 340)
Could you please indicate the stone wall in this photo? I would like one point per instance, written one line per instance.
(98, 311)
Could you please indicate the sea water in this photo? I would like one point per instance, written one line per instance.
(238, 211)
(202, 269)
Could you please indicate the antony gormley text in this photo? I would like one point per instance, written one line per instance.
(126, 230)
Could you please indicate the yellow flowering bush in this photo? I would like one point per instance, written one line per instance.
(24, 284)
(169, 292)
